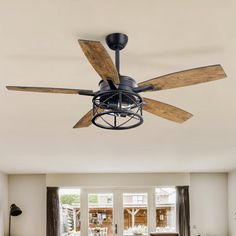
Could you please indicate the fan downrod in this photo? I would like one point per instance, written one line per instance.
(116, 41)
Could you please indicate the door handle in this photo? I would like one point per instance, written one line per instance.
(116, 229)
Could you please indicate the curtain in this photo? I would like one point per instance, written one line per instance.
(53, 211)
(183, 210)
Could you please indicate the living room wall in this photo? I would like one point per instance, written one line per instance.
(29, 193)
(232, 202)
(118, 180)
(208, 195)
(3, 204)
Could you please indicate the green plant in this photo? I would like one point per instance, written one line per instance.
(93, 199)
(70, 199)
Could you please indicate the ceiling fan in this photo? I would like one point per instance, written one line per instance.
(117, 104)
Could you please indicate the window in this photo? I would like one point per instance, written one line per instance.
(138, 199)
(166, 209)
(70, 212)
(135, 213)
(100, 206)
(104, 215)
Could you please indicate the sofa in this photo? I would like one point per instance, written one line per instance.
(164, 234)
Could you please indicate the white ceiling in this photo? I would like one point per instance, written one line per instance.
(38, 47)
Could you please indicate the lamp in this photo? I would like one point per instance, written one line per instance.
(14, 211)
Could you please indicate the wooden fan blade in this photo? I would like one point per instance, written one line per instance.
(86, 120)
(165, 110)
(100, 60)
(49, 90)
(186, 78)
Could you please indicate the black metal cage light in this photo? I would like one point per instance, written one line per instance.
(117, 109)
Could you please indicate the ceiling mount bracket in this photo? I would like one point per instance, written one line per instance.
(116, 41)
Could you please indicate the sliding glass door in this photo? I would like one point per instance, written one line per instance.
(135, 213)
(117, 212)
(100, 214)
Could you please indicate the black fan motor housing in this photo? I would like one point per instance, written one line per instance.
(126, 83)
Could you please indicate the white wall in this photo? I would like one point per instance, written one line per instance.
(118, 180)
(3, 204)
(232, 202)
(208, 196)
(29, 193)
(209, 201)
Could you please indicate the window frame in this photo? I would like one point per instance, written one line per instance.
(118, 206)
